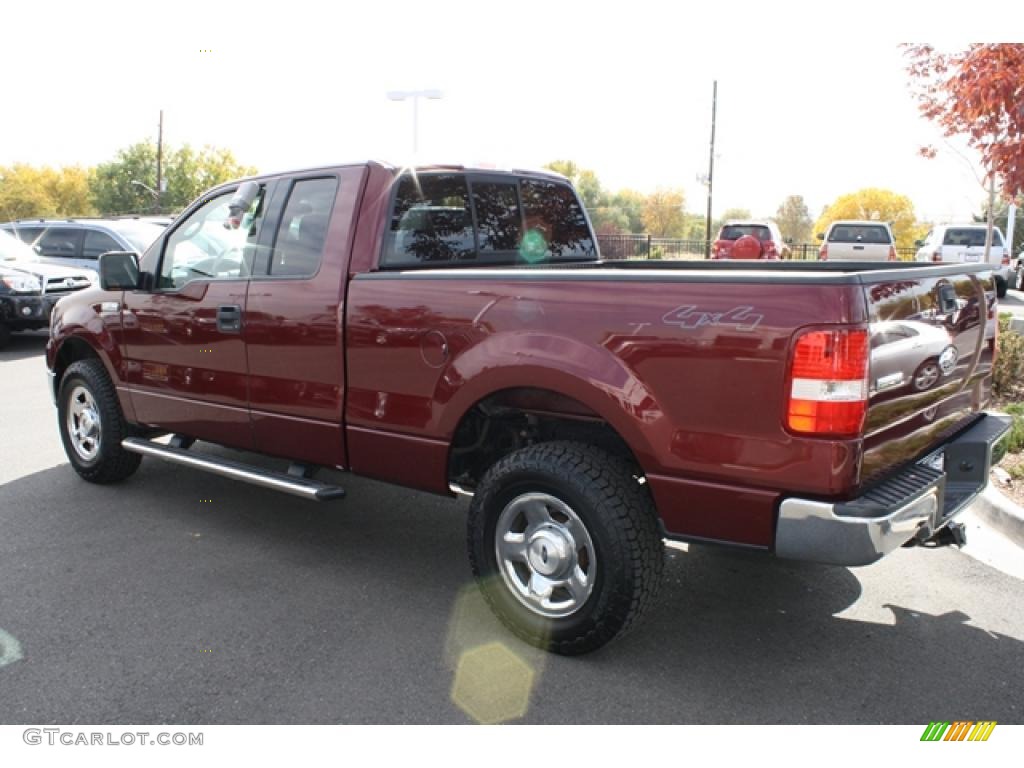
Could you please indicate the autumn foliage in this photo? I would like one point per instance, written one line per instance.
(977, 94)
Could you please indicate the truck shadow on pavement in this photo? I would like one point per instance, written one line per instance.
(184, 597)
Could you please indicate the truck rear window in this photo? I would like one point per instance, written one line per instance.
(860, 233)
(455, 219)
(736, 231)
(971, 237)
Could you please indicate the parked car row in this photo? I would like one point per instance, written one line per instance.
(42, 260)
(79, 242)
(29, 288)
(861, 240)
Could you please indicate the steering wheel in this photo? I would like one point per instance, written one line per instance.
(234, 255)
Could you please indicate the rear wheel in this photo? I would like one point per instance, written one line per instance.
(92, 426)
(565, 545)
(5, 335)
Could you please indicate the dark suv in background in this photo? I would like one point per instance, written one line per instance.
(79, 242)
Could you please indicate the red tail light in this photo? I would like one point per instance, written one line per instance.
(770, 251)
(892, 253)
(828, 383)
(823, 253)
(716, 249)
(1006, 259)
(937, 256)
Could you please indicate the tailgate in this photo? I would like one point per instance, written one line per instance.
(858, 252)
(932, 345)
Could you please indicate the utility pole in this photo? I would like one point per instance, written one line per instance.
(711, 171)
(159, 161)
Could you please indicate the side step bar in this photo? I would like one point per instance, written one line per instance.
(292, 483)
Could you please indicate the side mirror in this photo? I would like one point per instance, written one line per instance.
(119, 271)
(820, 235)
(788, 241)
(919, 243)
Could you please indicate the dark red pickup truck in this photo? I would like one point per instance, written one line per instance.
(454, 330)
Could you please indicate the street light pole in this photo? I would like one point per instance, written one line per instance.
(711, 171)
(159, 160)
(415, 96)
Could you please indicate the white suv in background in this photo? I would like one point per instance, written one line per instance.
(966, 243)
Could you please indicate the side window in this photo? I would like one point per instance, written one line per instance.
(26, 234)
(97, 243)
(61, 243)
(556, 227)
(206, 246)
(302, 233)
(430, 221)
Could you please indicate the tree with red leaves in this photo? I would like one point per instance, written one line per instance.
(978, 94)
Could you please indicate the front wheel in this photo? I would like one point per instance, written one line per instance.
(92, 426)
(565, 545)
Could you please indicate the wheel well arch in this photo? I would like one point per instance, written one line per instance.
(508, 419)
(71, 350)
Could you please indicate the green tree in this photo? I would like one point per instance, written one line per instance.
(794, 219)
(630, 205)
(875, 204)
(118, 186)
(664, 213)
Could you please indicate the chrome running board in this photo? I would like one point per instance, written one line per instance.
(293, 483)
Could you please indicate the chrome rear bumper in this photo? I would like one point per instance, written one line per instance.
(916, 503)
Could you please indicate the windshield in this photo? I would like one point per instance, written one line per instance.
(12, 249)
(860, 233)
(139, 233)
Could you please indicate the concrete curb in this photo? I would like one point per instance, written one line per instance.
(1001, 513)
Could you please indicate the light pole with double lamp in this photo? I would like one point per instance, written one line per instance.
(415, 96)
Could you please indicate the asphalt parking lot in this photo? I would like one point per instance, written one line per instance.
(181, 597)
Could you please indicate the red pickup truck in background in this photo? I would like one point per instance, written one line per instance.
(454, 330)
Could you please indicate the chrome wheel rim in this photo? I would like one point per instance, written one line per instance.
(926, 377)
(83, 423)
(545, 555)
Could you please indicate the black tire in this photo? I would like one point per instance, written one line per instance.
(620, 526)
(1000, 287)
(106, 461)
(5, 335)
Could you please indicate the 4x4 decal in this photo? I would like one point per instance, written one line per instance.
(690, 316)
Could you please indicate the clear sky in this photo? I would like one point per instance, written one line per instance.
(813, 98)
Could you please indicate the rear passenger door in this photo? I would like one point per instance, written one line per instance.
(294, 318)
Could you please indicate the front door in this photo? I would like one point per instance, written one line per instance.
(186, 360)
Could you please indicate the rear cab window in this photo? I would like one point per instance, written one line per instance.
(971, 237)
(472, 219)
(736, 231)
(860, 233)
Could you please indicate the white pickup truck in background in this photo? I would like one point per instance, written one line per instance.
(857, 241)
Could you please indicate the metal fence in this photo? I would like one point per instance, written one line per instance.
(650, 247)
